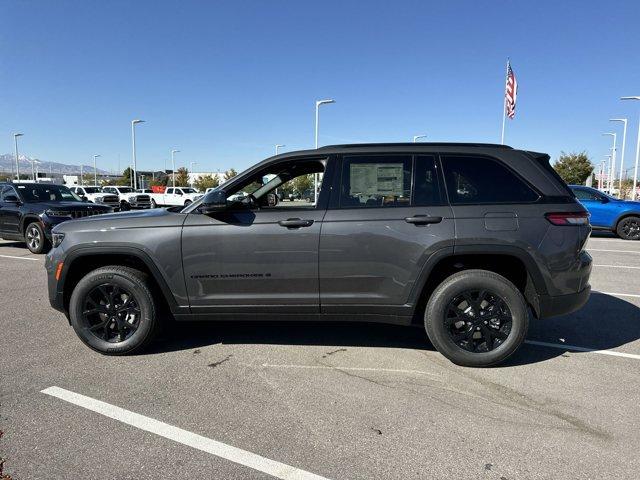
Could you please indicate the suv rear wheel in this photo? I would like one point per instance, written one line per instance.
(476, 318)
(113, 312)
(629, 228)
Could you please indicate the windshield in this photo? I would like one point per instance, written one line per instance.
(125, 189)
(189, 190)
(46, 193)
(91, 189)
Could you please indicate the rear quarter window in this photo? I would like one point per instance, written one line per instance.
(474, 179)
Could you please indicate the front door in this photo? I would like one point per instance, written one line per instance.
(259, 255)
(387, 219)
(9, 212)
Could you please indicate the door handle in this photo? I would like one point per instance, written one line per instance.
(295, 223)
(423, 219)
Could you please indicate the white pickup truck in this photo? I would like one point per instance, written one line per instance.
(172, 197)
(129, 198)
(96, 195)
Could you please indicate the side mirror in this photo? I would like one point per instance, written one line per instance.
(11, 199)
(214, 201)
(604, 200)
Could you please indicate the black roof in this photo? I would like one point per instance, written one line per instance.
(412, 144)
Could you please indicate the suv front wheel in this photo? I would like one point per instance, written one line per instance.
(629, 228)
(476, 318)
(112, 310)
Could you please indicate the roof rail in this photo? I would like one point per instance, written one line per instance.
(408, 144)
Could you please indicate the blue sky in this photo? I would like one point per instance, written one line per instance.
(225, 81)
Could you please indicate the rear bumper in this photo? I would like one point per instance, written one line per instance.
(563, 304)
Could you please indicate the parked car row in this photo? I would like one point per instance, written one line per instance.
(28, 211)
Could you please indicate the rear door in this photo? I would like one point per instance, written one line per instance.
(387, 217)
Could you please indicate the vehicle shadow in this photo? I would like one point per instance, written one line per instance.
(13, 244)
(605, 322)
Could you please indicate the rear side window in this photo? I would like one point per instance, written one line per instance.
(477, 180)
(376, 181)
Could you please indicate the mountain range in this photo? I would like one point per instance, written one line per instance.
(8, 164)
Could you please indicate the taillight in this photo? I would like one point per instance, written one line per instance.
(566, 218)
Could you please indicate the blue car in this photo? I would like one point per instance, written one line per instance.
(621, 217)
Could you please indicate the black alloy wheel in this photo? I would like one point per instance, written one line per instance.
(111, 313)
(478, 320)
(629, 228)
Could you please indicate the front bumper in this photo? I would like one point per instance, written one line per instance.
(552, 306)
(56, 298)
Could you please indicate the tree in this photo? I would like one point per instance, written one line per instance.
(574, 168)
(206, 181)
(125, 179)
(230, 174)
(182, 177)
(302, 183)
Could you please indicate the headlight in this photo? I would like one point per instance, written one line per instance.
(56, 239)
(58, 213)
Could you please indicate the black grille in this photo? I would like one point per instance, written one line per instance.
(84, 213)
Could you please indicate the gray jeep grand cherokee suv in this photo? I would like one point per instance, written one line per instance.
(467, 239)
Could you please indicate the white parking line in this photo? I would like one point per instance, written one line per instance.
(582, 349)
(616, 266)
(20, 258)
(613, 294)
(219, 449)
(606, 250)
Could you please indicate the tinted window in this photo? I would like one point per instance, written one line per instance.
(376, 181)
(38, 192)
(585, 194)
(426, 185)
(7, 191)
(472, 180)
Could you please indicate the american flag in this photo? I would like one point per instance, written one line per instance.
(511, 92)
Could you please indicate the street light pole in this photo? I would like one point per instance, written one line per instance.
(612, 171)
(624, 143)
(173, 167)
(416, 137)
(191, 164)
(278, 148)
(315, 176)
(635, 170)
(133, 148)
(95, 171)
(15, 138)
(81, 176)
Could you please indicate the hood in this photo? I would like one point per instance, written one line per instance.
(67, 205)
(156, 217)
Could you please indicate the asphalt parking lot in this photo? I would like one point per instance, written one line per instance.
(313, 401)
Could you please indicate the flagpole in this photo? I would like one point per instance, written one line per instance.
(504, 102)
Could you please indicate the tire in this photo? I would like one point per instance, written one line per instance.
(483, 320)
(629, 228)
(106, 336)
(153, 203)
(187, 203)
(124, 206)
(35, 238)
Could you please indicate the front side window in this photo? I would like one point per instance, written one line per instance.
(482, 180)
(376, 181)
(7, 192)
(283, 185)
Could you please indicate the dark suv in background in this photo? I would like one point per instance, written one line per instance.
(465, 239)
(28, 211)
